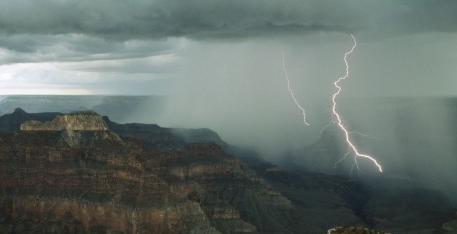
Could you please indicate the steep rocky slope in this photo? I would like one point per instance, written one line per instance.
(109, 184)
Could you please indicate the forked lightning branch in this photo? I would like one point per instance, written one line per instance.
(337, 119)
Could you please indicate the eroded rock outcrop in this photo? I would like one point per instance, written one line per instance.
(74, 129)
(77, 121)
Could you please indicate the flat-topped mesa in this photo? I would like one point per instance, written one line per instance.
(76, 121)
(77, 129)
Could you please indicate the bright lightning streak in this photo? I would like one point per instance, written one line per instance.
(339, 121)
(291, 92)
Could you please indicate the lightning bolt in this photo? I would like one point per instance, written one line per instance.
(337, 116)
(291, 92)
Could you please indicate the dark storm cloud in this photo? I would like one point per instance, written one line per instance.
(212, 18)
(145, 19)
(70, 30)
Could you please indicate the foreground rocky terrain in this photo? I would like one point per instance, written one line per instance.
(83, 173)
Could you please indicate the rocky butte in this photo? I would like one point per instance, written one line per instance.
(74, 129)
(76, 121)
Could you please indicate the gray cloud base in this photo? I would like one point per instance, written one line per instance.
(67, 30)
(221, 18)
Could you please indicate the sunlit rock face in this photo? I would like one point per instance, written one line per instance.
(77, 121)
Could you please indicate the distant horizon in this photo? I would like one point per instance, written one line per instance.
(164, 95)
(95, 95)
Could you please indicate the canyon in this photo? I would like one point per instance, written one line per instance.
(83, 173)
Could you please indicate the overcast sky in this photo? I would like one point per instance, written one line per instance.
(407, 47)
